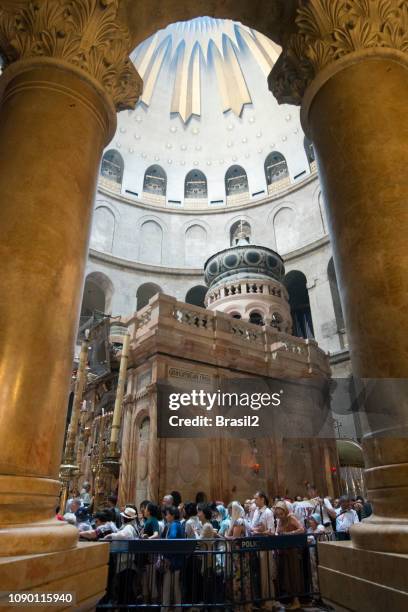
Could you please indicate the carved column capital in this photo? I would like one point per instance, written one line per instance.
(85, 33)
(329, 30)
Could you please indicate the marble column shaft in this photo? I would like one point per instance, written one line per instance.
(346, 64)
(358, 121)
(53, 127)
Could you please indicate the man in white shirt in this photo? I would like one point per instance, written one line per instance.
(345, 515)
(321, 506)
(263, 524)
(262, 521)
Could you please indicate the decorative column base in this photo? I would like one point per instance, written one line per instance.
(26, 502)
(82, 571)
(360, 580)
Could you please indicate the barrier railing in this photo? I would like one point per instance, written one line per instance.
(224, 574)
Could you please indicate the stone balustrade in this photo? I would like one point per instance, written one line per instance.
(252, 287)
(218, 336)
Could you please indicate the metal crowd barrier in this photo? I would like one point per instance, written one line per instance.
(214, 574)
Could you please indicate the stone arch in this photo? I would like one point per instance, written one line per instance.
(160, 13)
(145, 292)
(195, 245)
(143, 443)
(240, 229)
(296, 285)
(196, 296)
(103, 229)
(151, 242)
(97, 295)
(256, 317)
(286, 230)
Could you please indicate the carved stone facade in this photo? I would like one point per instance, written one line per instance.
(185, 347)
(84, 33)
(329, 30)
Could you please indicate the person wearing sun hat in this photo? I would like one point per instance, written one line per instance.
(129, 530)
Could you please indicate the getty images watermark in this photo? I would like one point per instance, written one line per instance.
(220, 400)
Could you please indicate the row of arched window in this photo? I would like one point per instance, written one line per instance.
(195, 184)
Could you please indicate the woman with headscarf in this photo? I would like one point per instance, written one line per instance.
(289, 560)
(241, 587)
(224, 520)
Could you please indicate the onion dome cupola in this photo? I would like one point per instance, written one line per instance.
(245, 281)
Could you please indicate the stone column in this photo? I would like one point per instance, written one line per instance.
(66, 74)
(347, 65)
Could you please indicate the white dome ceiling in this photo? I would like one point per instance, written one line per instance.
(206, 106)
(195, 46)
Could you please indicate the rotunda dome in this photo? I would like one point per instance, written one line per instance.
(245, 281)
(206, 133)
(242, 262)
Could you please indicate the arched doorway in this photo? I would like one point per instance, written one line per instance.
(97, 295)
(196, 296)
(145, 293)
(299, 302)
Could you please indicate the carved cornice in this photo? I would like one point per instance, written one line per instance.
(84, 33)
(329, 30)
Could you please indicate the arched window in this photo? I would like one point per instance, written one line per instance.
(334, 289)
(195, 186)
(256, 318)
(103, 229)
(196, 296)
(235, 315)
(296, 285)
(112, 167)
(276, 171)
(195, 246)
(310, 154)
(151, 239)
(236, 181)
(145, 293)
(155, 181)
(240, 231)
(97, 296)
(277, 321)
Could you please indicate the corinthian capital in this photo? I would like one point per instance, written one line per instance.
(328, 30)
(84, 33)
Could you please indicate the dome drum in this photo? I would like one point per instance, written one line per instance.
(259, 301)
(244, 262)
